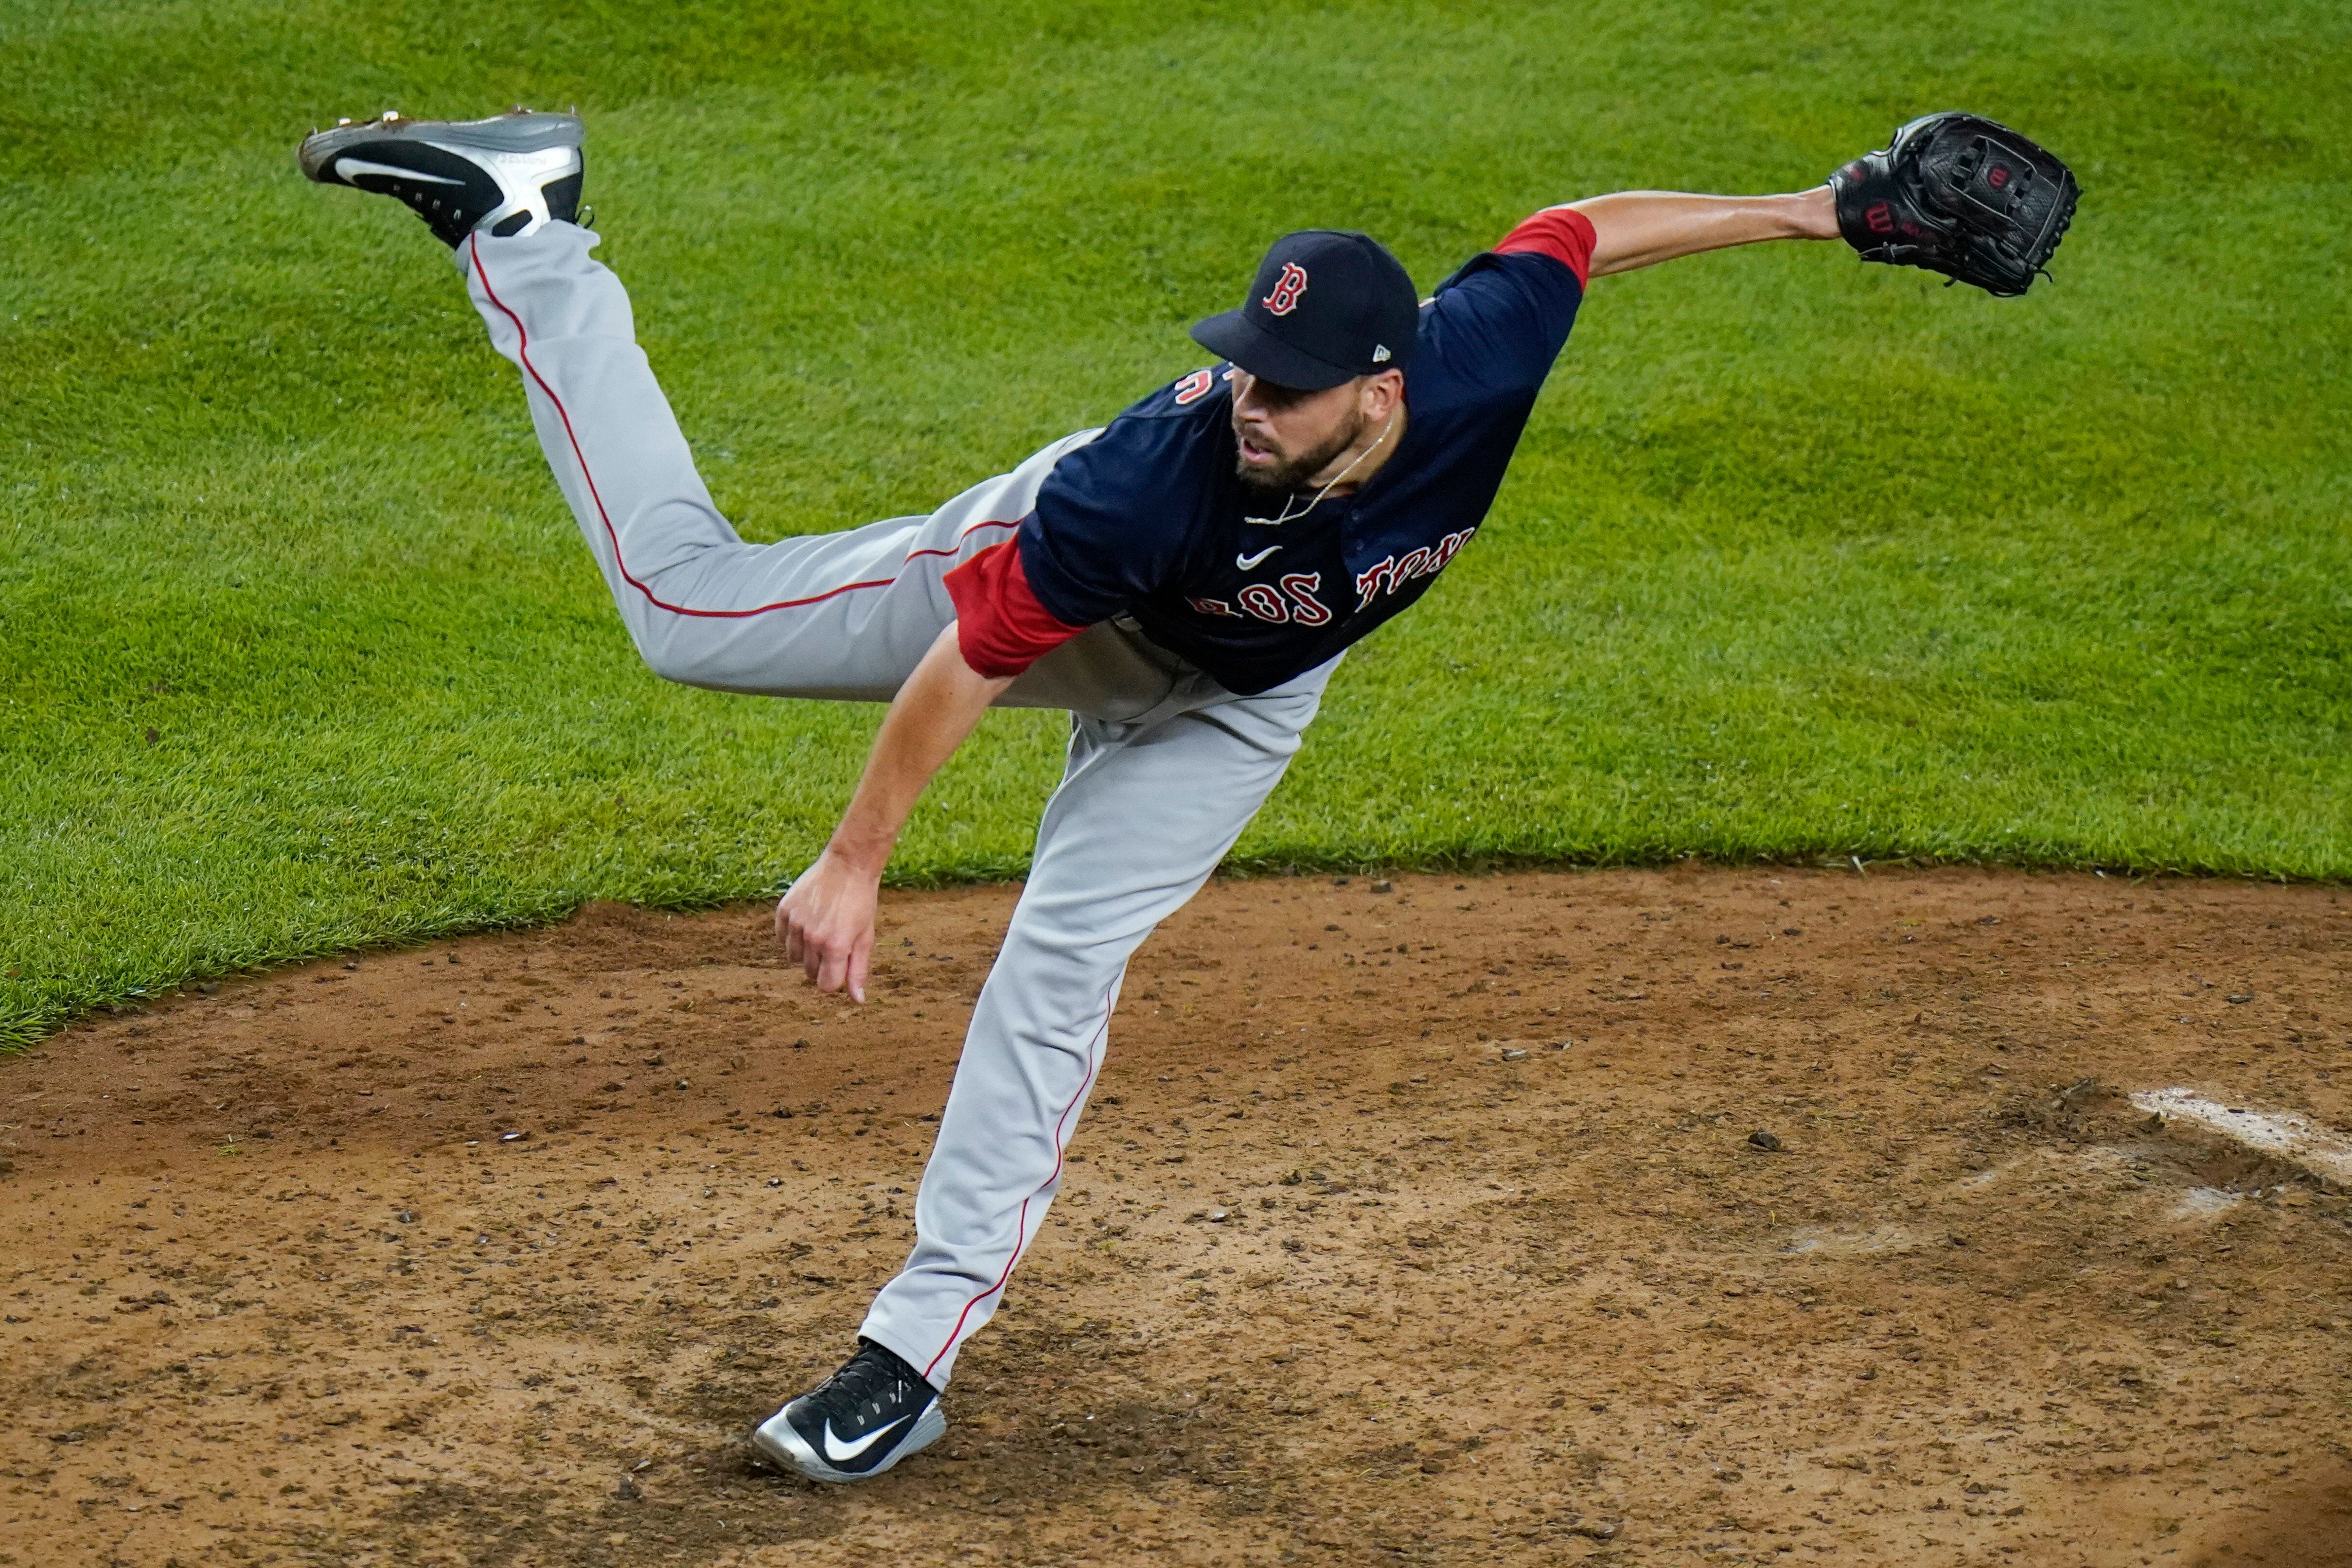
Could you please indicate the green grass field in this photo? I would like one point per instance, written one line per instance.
(299, 649)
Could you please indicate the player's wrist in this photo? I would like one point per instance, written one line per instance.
(1813, 213)
(860, 854)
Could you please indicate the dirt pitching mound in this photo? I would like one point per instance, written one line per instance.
(1739, 1217)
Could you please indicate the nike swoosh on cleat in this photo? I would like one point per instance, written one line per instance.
(837, 1450)
(1249, 562)
(349, 167)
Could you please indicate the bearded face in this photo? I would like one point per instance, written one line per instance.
(1284, 437)
(1291, 471)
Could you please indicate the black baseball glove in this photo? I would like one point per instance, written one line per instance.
(1958, 195)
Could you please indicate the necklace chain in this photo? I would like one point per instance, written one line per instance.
(1350, 468)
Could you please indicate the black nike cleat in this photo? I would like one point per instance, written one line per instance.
(858, 1422)
(511, 173)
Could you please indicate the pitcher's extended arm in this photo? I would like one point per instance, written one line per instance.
(827, 921)
(1642, 228)
(1953, 192)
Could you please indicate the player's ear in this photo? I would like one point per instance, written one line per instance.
(1383, 392)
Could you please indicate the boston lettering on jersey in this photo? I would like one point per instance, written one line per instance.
(1149, 520)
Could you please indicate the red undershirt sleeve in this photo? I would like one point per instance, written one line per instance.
(1000, 625)
(1562, 233)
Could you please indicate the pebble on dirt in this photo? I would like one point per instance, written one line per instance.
(1760, 1139)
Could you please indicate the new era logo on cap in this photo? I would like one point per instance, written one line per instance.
(1359, 317)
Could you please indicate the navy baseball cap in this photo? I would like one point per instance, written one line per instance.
(1327, 306)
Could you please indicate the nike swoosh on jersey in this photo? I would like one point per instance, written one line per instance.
(1249, 562)
(837, 1450)
(349, 167)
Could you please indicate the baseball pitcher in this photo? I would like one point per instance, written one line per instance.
(1182, 580)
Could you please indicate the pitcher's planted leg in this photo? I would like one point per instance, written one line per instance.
(1143, 816)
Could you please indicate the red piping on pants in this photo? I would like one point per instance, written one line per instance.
(523, 352)
(1022, 1224)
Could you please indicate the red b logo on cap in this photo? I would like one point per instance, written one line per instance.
(1286, 289)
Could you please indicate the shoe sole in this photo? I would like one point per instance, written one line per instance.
(525, 132)
(776, 1440)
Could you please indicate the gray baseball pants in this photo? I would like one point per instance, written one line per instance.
(1165, 767)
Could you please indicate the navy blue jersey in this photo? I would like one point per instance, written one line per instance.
(1150, 521)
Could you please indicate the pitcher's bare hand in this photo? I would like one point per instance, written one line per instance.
(826, 924)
